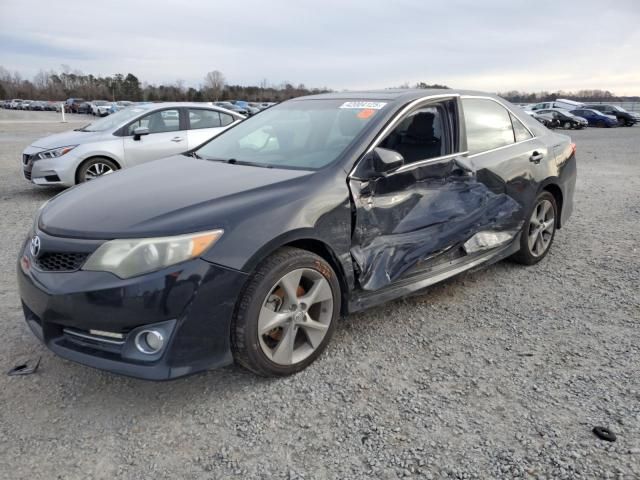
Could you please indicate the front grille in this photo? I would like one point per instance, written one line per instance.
(60, 262)
(25, 158)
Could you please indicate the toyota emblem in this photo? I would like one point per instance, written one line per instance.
(34, 248)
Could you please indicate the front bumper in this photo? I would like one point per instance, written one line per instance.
(193, 301)
(52, 171)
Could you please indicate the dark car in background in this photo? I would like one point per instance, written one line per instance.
(564, 119)
(84, 107)
(39, 106)
(252, 246)
(73, 104)
(624, 118)
(596, 118)
(233, 107)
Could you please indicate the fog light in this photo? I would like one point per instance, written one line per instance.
(149, 341)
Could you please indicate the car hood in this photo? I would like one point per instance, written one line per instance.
(65, 139)
(171, 196)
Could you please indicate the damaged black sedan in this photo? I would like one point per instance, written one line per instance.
(252, 247)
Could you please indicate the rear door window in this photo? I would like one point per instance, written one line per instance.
(488, 125)
(226, 119)
(520, 131)
(201, 118)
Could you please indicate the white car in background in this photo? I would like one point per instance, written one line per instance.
(100, 108)
(135, 135)
(15, 103)
(557, 103)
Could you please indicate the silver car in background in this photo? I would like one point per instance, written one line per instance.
(132, 136)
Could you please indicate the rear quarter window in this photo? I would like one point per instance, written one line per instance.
(488, 125)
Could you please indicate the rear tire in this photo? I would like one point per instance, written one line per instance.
(286, 313)
(539, 230)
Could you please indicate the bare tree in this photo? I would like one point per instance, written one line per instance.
(214, 83)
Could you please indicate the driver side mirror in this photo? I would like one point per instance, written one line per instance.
(378, 163)
(138, 132)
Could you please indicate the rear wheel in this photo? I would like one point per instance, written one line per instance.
(539, 231)
(286, 314)
(94, 168)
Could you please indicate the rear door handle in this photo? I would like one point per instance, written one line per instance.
(536, 157)
(177, 139)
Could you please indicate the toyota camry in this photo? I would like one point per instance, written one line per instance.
(251, 247)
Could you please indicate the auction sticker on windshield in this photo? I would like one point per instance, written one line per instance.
(361, 105)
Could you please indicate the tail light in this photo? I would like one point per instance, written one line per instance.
(573, 149)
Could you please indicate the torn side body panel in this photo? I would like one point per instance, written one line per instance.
(411, 220)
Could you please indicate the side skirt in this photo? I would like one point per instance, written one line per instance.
(361, 300)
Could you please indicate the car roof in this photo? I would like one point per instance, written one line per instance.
(395, 94)
(161, 105)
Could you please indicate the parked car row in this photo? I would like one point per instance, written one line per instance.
(19, 104)
(562, 113)
(102, 108)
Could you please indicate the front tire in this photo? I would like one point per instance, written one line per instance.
(286, 314)
(539, 230)
(94, 168)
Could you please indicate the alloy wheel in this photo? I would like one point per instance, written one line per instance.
(295, 316)
(97, 170)
(541, 227)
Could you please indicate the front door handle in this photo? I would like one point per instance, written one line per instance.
(177, 139)
(536, 157)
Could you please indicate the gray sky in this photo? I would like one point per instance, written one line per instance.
(484, 44)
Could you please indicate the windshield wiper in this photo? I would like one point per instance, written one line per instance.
(233, 161)
(82, 129)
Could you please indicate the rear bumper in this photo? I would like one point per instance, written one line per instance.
(567, 179)
(193, 302)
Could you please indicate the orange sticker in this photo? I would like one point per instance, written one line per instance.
(366, 113)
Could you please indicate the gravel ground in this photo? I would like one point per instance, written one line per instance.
(500, 373)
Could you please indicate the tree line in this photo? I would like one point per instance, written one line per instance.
(67, 83)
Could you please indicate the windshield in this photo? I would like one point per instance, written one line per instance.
(100, 102)
(113, 121)
(305, 134)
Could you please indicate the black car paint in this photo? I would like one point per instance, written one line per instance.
(262, 209)
(560, 118)
(623, 117)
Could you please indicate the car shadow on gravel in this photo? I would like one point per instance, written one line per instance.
(34, 193)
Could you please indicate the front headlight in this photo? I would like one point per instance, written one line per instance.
(128, 258)
(54, 152)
